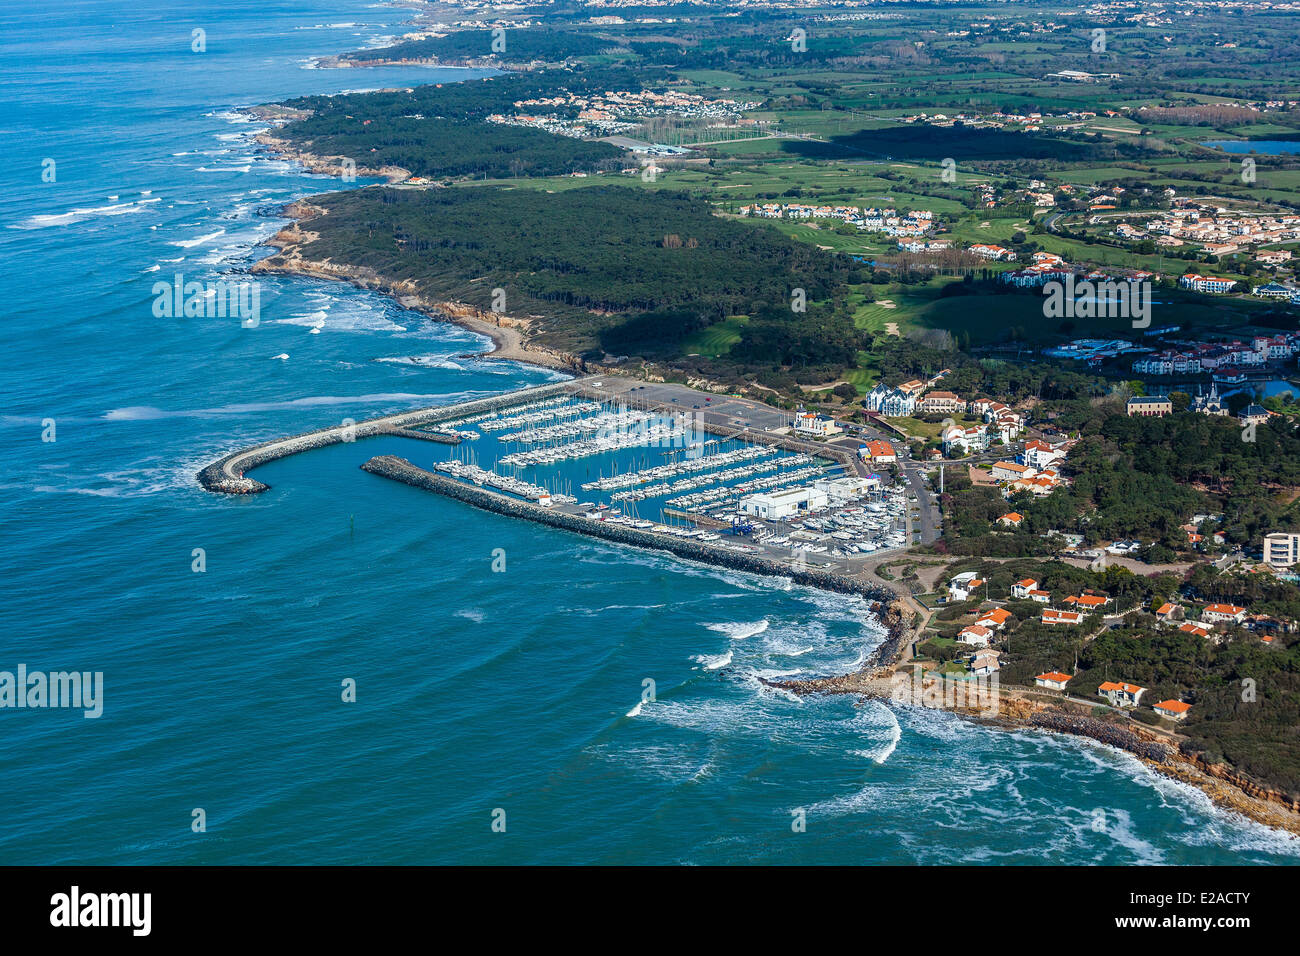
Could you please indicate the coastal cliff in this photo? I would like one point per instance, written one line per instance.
(1013, 708)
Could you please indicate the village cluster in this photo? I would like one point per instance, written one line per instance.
(1189, 358)
(617, 111)
(1208, 620)
(1216, 229)
(917, 222)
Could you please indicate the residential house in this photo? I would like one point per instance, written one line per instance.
(1020, 590)
(1224, 614)
(1053, 616)
(1053, 679)
(977, 635)
(995, 618)
(1253, 415)
(1087, 602)
(1168, 613)
(1194, 629)
(1012, 519)
(1172, 709)
(1121, 694)
(961, 587)
(984, 663)
(1039, 485)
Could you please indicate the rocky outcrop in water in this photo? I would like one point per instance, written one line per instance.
(1103, 731)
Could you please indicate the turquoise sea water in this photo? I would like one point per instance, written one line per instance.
(476, 690)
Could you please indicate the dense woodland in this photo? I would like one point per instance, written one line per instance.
(439, 130)
(609, 268)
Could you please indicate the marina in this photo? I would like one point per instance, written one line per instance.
(599, 452)
(662, 470)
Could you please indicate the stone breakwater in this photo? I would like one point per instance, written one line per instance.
(226, 475)
(1102, 731)
(399, 469)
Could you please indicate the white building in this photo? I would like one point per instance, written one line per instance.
(847, 488)
(1200, 283)
(1121, 694)
(895, 402)
(1053, 679)
(784, 504)
(1281, 549)
(1223, 613)
(808, 423)
(977, 635)
(963, 586)
(967, 440)
(1039, 454)
(1020, 590)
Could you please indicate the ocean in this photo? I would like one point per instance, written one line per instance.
(520, 696)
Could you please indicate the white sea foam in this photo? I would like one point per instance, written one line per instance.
(197, 240)
(714, 662)
(81, 214)
(740, 630)
(140, 413)
(891, 744)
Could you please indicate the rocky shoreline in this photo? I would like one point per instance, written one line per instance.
(1013, 710)
(509, 336)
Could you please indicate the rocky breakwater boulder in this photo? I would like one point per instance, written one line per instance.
(226, 476)
(1103, 731)
(213, 478)
(399, 469)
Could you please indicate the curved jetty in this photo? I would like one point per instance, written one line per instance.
(399, 469)
(226, 475)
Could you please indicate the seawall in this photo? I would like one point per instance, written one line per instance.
(226, 475)
(399, 469)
